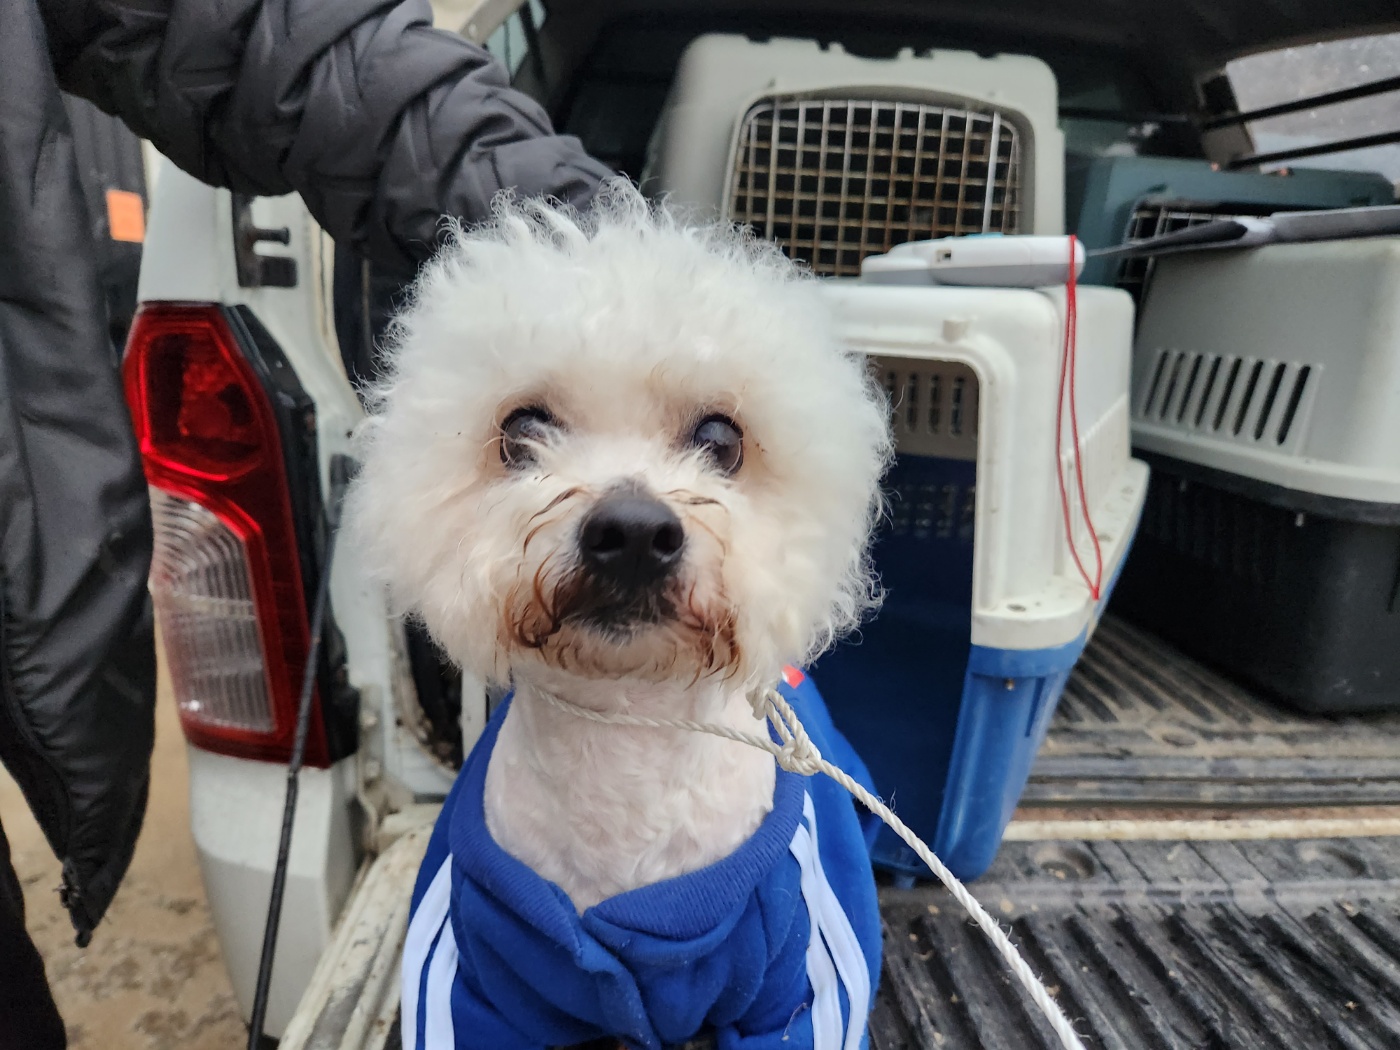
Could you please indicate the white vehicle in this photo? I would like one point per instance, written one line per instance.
(261, 329)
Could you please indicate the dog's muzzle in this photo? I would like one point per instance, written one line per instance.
(630, 544)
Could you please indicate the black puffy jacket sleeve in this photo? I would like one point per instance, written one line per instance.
(382, 123)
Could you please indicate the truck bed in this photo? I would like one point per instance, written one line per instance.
(1142, 725)
(1191, 867)
(1146, 944)
(1259, 933)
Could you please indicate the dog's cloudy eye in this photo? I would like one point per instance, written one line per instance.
(521, 432)
(720, 439)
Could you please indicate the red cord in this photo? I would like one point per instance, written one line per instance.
(1067, 375)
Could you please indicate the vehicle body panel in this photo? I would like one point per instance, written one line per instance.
(236, 804)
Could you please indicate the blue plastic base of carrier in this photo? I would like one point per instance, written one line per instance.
(948, 729)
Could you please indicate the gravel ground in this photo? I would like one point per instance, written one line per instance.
(152, 979)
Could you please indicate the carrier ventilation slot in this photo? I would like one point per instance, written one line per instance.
(934, 407)
(933, 511)
(1231, 534)
(835, 180)
(1239, 399)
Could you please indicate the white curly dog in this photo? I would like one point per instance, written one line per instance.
(623, 462)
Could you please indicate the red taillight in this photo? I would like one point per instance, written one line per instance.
(226, 578)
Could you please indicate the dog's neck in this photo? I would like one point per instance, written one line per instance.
(602, 809)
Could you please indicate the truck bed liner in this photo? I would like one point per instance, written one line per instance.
(1236, 945)
(1142, 725)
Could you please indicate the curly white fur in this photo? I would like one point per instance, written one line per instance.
(629, 326)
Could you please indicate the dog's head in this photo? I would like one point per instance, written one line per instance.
(619, 446)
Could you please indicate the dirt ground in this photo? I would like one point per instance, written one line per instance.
(152, 978)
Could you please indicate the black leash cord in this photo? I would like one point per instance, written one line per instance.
(289, 807)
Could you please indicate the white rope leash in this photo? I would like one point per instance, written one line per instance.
(797, 754)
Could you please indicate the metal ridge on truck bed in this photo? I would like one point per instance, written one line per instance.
(1142, 725)
(1172, 945)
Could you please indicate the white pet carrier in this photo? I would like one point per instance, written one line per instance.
(838, 157)
(948, 693)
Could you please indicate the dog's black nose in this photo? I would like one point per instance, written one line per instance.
(631, 540)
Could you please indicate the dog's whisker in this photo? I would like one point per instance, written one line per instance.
(549, 607)
(692, 499)
(529, 536)
(720, 540)
(462, 567)
(443, 499)
(567, 494)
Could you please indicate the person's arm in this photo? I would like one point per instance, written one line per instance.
(382, 123)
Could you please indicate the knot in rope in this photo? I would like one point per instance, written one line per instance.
(796, 753)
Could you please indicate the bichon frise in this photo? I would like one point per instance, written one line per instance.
(625, 462)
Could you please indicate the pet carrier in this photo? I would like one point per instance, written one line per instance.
(948, 692)
(1118, 199)
(1266, 389)
(838, 157)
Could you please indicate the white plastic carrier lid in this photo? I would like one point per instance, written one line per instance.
(976, 260)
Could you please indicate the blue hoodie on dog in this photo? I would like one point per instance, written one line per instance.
(775, 946)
